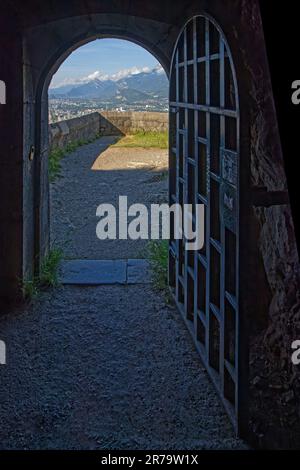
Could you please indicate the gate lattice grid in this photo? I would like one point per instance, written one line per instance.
(204, 169)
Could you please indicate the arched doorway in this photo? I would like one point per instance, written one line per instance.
(41, 183)
(106, 113)
(204, 169)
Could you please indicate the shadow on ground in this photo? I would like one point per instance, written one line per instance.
(107, 367)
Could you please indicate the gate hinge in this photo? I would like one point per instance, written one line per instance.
(261, 197)
(174, 109)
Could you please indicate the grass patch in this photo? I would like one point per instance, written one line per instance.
(57, 154)
(144, 140)
(55, 157)
(48, 276)
(30, 290)
(158, 254)
(49, 269)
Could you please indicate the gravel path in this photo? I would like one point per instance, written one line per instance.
(92, 368)
(108, 367)
(93, 175)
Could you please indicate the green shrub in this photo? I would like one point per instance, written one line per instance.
(48, 276)
(30, 289)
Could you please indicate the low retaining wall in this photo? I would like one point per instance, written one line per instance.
(83, 128)
(105, 123)
(130, 122)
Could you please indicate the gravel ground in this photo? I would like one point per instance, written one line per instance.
(104, 368)
(108, 367)
(93, 175)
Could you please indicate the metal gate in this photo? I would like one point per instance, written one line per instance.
(204, 169)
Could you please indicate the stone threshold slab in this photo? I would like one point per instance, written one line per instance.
(104, 272)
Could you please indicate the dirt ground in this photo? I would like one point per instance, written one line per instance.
(108, 367)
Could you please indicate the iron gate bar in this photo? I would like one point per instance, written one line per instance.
(222, 227)
(207, 108)
(213, 272)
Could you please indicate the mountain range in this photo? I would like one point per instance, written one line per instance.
(142, 86)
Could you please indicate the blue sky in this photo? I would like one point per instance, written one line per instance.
(103, 57)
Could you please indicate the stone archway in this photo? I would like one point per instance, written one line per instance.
(35, 38)
(140, 32)
(46, 43)
(60, 39)
(143, 32)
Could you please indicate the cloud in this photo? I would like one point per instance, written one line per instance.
(98, 75)
(128, 72)
(159, 69)
(93, 76)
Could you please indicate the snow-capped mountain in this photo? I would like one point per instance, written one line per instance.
(123, 87)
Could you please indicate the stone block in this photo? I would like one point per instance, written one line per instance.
(93, 272)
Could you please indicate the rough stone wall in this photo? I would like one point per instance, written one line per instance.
(274, 381)
(82, 128)
(107, 123)
(131, 122)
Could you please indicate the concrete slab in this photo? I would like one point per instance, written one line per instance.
(100, 272)
(93, 272)
(138, 271)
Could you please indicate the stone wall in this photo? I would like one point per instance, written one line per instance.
(83, 128)
(105, 123)
(275, 316)
(130, 122)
